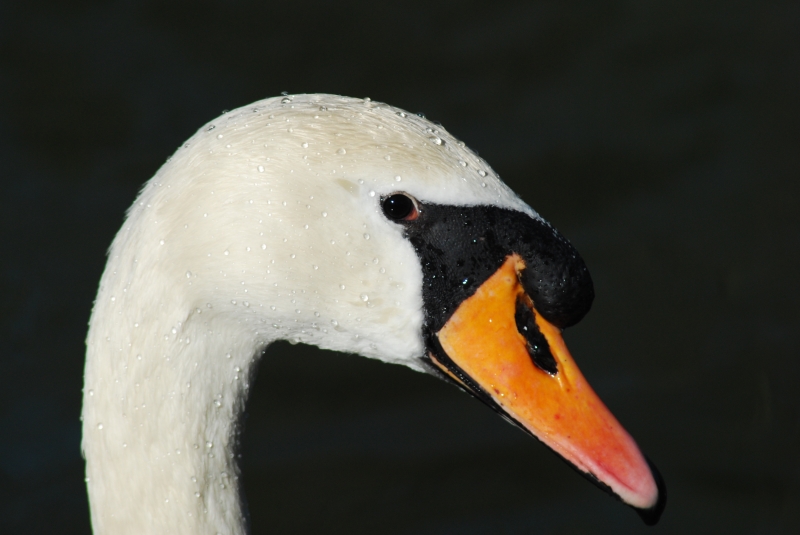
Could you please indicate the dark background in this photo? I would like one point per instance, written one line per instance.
(660, 137)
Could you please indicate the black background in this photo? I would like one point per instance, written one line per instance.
(660, 137)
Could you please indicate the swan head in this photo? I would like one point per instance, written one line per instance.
(354, 226)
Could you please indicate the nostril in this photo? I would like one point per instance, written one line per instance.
(537, 345)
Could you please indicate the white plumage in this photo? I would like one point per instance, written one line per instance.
(265, 225)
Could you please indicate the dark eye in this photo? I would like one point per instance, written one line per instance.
(400, 207)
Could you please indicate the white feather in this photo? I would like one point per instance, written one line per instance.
(265, 225)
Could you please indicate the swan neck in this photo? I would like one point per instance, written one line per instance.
(164, 392)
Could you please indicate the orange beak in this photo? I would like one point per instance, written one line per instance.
(489, 354)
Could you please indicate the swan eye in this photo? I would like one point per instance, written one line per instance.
(400, 207)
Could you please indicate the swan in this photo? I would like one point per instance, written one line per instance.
(350, 225)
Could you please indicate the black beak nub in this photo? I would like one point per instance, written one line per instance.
(538, 348)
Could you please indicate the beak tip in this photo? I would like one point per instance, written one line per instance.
(652, 514)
